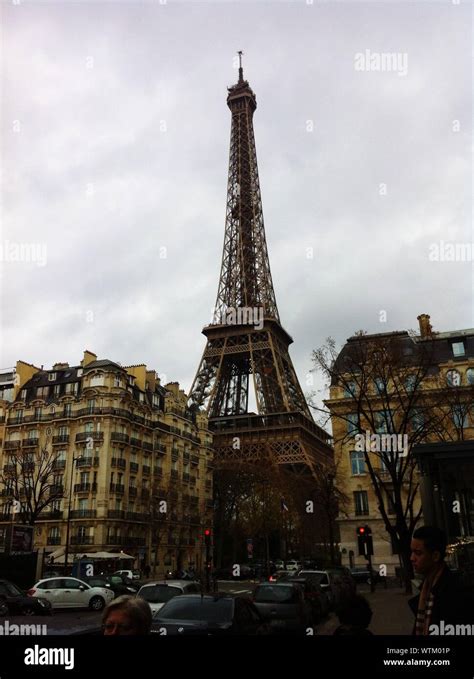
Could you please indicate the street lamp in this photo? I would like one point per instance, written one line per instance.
(66, 552)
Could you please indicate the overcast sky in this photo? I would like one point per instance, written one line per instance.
(115, 135)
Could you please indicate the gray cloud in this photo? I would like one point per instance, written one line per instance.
(119, 166)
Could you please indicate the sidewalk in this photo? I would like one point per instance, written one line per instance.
(391, 614)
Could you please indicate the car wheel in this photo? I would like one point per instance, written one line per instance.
(96, 603)
(3, 608)
(28, 610)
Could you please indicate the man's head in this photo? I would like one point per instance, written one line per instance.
(428, 549)
(127, 615)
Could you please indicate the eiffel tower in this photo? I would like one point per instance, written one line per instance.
(245, 340)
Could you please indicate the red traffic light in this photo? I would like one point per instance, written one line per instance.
(361, 530)
(207, 531)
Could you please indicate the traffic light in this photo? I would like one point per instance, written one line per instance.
(207, 537)
(364, 538)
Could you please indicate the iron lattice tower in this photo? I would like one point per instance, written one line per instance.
(246, 339)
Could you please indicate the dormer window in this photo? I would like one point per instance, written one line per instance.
(458, 349)
(51, 377)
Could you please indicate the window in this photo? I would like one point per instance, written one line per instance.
(410, 383)
(357, 462)
(42, 392)
(68, 410)
(89, 427)
(23, 394)
(97, 381)
(460, 418)
(361, 503)
(38, 412)
(350, 389)
(33, 434)
(389, 501)
(63, 431)
(91, 405)
(379, 385)
(117, 381)
(51, 377)
(84, 477)
(7, 394)
(79, 372)
(383, 422)
(71, 388)
(83, 504)
(470, 375)
(453, 378)
(458, 349)
(57, 389)
(54, 532)
(352, 423)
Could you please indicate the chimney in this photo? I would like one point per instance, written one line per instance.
(88, 358)
(425, 326)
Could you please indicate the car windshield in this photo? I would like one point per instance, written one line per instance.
(277, 595)
(207, 610)
(159, 594)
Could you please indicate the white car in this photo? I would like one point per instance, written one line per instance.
(71, 593)
(293, 565)
(158, 593)
(133, 575)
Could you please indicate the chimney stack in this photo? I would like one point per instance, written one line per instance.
(425, 326)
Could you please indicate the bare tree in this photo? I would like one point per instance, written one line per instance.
(29, 478)
(392, 387)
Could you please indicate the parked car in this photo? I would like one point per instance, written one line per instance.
(293, 565)
(284, 606)
(72, 593)
(14, 601)
(280, 575)
(157, 594)
(119, 584)
(280, 565)
(219, 614)
(133, 575)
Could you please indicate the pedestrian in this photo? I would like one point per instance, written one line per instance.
(442, 599)
(354, 615)
(127, 615)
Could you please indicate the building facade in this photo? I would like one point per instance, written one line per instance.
(432, 406)
(119, 461)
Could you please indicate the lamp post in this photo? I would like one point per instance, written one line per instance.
(66, 552)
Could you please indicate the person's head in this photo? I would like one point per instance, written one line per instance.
(354, 611)
(127, 615)
(428, 549)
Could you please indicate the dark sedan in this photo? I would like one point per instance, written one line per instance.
(13, 601)
(219, 614)
(119, 584)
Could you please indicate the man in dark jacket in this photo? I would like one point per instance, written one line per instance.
(442, 602)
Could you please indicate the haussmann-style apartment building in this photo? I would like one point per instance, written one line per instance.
(127, 467)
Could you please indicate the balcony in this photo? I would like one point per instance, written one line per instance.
(117, 488)
(117, 436)
(362, 512)
(6, 492)
(116, 514)
(194, 459)
(147, 446)
(192, 480)
(12, 445)
(145, 494)
(160, 448)
(62, 438)
(82, 487)
(136, 443)
(186, 457)
(84, 514)
(59, 464)
(158, 473)
(174, 474)
(94, 435)
(56, 489)
(27, 467)
(87, 461)
(208, 485)
(210, 465)
(133, 467)
(132, 491)
(146, 469)
(185, 478)
(29, 442)
(119, 462)
(82, 540)
(53, 514)
(9, 468)
(54, 541)
(137, 516)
